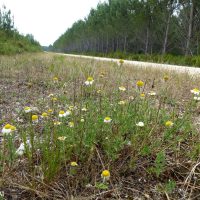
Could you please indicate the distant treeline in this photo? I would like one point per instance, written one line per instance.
(138, 27)
(11, 41)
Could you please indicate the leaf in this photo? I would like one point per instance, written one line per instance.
(102, 186)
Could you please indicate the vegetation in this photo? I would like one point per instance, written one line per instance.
(11, 42)
(134, 27)
(166, 59)
(84, 129)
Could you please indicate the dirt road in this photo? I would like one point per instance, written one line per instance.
(183, 69)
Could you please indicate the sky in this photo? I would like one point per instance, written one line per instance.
(46, 20)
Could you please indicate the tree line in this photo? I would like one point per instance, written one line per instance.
(136, 26)
(11, 41)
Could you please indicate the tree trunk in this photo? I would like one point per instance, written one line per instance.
(166, 34)
(117, 45)
(189, 29)
(147, 41)
(107, 43)
(125, 41)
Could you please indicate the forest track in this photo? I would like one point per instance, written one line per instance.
(194, 71)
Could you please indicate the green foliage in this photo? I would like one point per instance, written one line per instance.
(137, 27)
(101, 186)
(11, 42)
(128, 150)
(170, 186)
(159, 163)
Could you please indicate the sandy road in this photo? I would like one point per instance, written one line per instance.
(194, 71)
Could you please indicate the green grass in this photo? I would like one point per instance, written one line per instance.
(14, 43)
(155, 160)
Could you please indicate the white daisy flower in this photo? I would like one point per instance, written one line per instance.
(140, 124)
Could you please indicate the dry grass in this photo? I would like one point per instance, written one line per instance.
(27, 80)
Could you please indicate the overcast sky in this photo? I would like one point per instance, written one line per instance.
(47, 19)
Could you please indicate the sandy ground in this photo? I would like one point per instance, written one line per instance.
(182, 69)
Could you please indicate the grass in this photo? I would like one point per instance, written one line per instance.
(13, 43)
(156, 58)
(149, 144)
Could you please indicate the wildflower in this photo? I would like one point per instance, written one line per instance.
(196, 98)
(54, 99)
(20, 150)
(6, 129)
(121, 62)
(166, 78)
(142, 95)
(68, 112)
(73, 164)
(62, 138)
(71, 124)
(107, 119)
(140, 83)
(50, 110)
(121, 102)
(44, 115)
(84, 109)
(62, 114)
(51, 95)
(105, 175)
(55, 79)
(57, 123)
(89, 81)
(169, 123)
(34, 118)
(195, 91)
(13, 128)
(82, 120)
(27, 109)
(152, 93)
(98, 91)
(122, 88)
(140, 124)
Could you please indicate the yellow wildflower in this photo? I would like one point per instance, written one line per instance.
(62, 113)
(55, 79)
(34, 118)
(166, 78)
(195, 91)
(54, 99)
(107, 119)
(140, 83)
(89, 81)
(13, 128)
(142, 95)
(50, 110)
(27, 109)
(169, 123)
(44, 114)
(121, 61)
(73, 164)
(105, 175)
